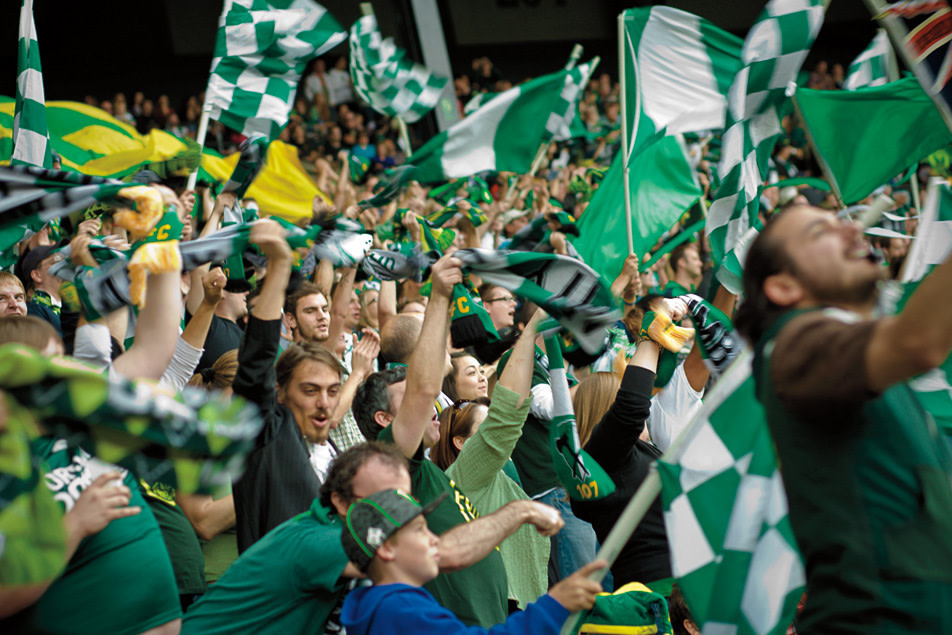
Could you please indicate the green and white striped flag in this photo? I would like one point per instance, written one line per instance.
(260, 52)
(931, 247)
(725, 512)
(477, 102)
(385, 79)
(678, 69)
(31, 137)
(933, 239)
(871, 68)
(505, 133)
(774, 50)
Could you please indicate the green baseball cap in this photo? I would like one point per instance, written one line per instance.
(371, 521)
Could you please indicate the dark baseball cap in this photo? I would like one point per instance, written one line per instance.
(30, 261)
(371, 521)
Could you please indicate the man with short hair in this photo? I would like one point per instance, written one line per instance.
(297, 397)
(42, 287)
(307, 314)
(500, 304)
(377, 400)
(12, 295)
(292, 580)
(865, 469)
(687, 267)
(398, 337)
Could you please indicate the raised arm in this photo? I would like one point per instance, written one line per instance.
(157, 329)
(428, 360)
(365, 352)
(485, 454)
(612, 439)
(255, 378)
(339, 305)
(386, 302)
(916, 340)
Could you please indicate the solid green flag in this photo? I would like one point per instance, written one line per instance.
(868, 136)
(662, 187)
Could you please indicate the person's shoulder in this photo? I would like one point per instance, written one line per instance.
(814, 328)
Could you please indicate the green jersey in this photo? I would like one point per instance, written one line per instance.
(287, 582)
(478, 594)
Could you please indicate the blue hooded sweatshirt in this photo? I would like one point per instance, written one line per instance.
(400, 609)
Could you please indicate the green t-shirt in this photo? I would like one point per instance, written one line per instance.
(478, 594)
(119, 580)
(188, 563)
(219, 553)
(287, 582)
(867, 479)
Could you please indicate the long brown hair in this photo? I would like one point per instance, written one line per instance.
(456, 421)
(219, 375)
(595, 395)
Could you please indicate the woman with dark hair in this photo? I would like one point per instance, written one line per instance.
(457, 424)
(467, 380)
(474, 448)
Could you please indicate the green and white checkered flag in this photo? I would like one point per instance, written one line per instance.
(384, 78)
(725, 512)
(772, 55)
(260, 52)
(31, 137)
(871, 68)
(505, 133)
(931, 247)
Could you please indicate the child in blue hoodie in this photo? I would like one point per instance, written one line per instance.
(387, 537)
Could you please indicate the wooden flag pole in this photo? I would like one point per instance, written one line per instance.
(638, 506)
(623, 99)
(200, 139)
(892, 74)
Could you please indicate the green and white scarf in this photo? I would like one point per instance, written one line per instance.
(582, 477)
(567, 289)
(193, 441)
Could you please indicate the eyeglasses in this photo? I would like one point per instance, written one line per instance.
(505, 298)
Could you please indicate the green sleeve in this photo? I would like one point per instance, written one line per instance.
(484, 455)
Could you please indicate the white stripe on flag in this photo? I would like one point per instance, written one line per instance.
(675, 71)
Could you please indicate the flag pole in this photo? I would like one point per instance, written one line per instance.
(404, 134)
(200, 139)
(639, 504)
(574, 57)
(892, 74)
(623, 99)
(827, 172)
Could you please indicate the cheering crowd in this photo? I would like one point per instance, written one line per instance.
(366, 398)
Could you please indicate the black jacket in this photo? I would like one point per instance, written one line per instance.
(279, 481)
(626, 458)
